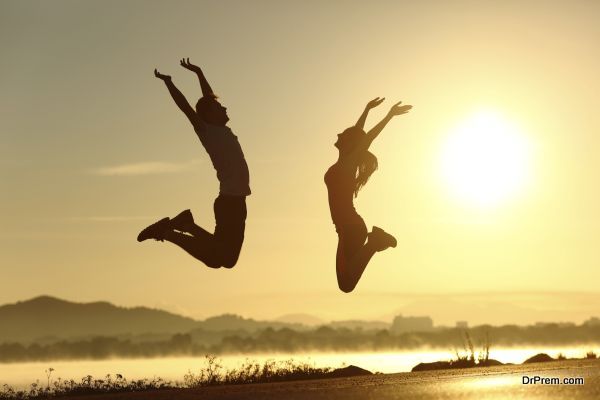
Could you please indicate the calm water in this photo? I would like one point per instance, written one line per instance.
(20, 375)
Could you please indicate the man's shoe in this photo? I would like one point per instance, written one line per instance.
(155, 231)
(183, 221)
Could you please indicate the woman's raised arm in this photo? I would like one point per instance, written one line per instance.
(397, 109)
(363, 118)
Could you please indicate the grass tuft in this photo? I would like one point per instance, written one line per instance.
(213, 373)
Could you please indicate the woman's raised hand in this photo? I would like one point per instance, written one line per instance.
(375, 102)
(398, 109)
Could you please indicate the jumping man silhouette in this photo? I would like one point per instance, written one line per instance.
(221, 248)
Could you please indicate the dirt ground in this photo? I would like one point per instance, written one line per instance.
(502, 382)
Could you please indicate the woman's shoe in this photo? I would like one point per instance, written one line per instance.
(381, 240)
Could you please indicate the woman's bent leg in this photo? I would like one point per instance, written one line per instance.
(353, 255)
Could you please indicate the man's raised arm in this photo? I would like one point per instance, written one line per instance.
(206, 89)
(180, 100)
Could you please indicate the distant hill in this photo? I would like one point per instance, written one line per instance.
(304, 319)
(357, 324)
(231, 322)
(47, 316)
(48, 319)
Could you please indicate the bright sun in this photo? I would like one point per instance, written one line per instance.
(485, 160)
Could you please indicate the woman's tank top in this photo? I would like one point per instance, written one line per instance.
(340, 180)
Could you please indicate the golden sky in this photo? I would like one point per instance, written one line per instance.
(92, 149)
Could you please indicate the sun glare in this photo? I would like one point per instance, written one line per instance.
(485, 160)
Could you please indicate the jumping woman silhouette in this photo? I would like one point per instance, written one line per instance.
(221, 248)
(344, 179)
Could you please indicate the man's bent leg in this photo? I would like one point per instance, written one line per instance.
(202, 247)
(230, 215)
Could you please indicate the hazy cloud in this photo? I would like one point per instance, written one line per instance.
(146, 168)
(110, 219)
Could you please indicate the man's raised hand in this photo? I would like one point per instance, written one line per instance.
(206, 89)
(161, 76)
(185, 63)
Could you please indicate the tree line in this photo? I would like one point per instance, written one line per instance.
(291, 341)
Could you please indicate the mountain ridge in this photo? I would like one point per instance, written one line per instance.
(49, 318)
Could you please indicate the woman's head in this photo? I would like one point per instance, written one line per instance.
(367, 162)
(348, 139)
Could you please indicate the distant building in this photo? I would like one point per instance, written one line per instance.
(462, 324)
(411, 324)
(554, 324)
(593, 321)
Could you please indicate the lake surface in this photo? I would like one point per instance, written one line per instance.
(21, 375)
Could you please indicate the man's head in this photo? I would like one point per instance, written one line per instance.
(211, 111)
